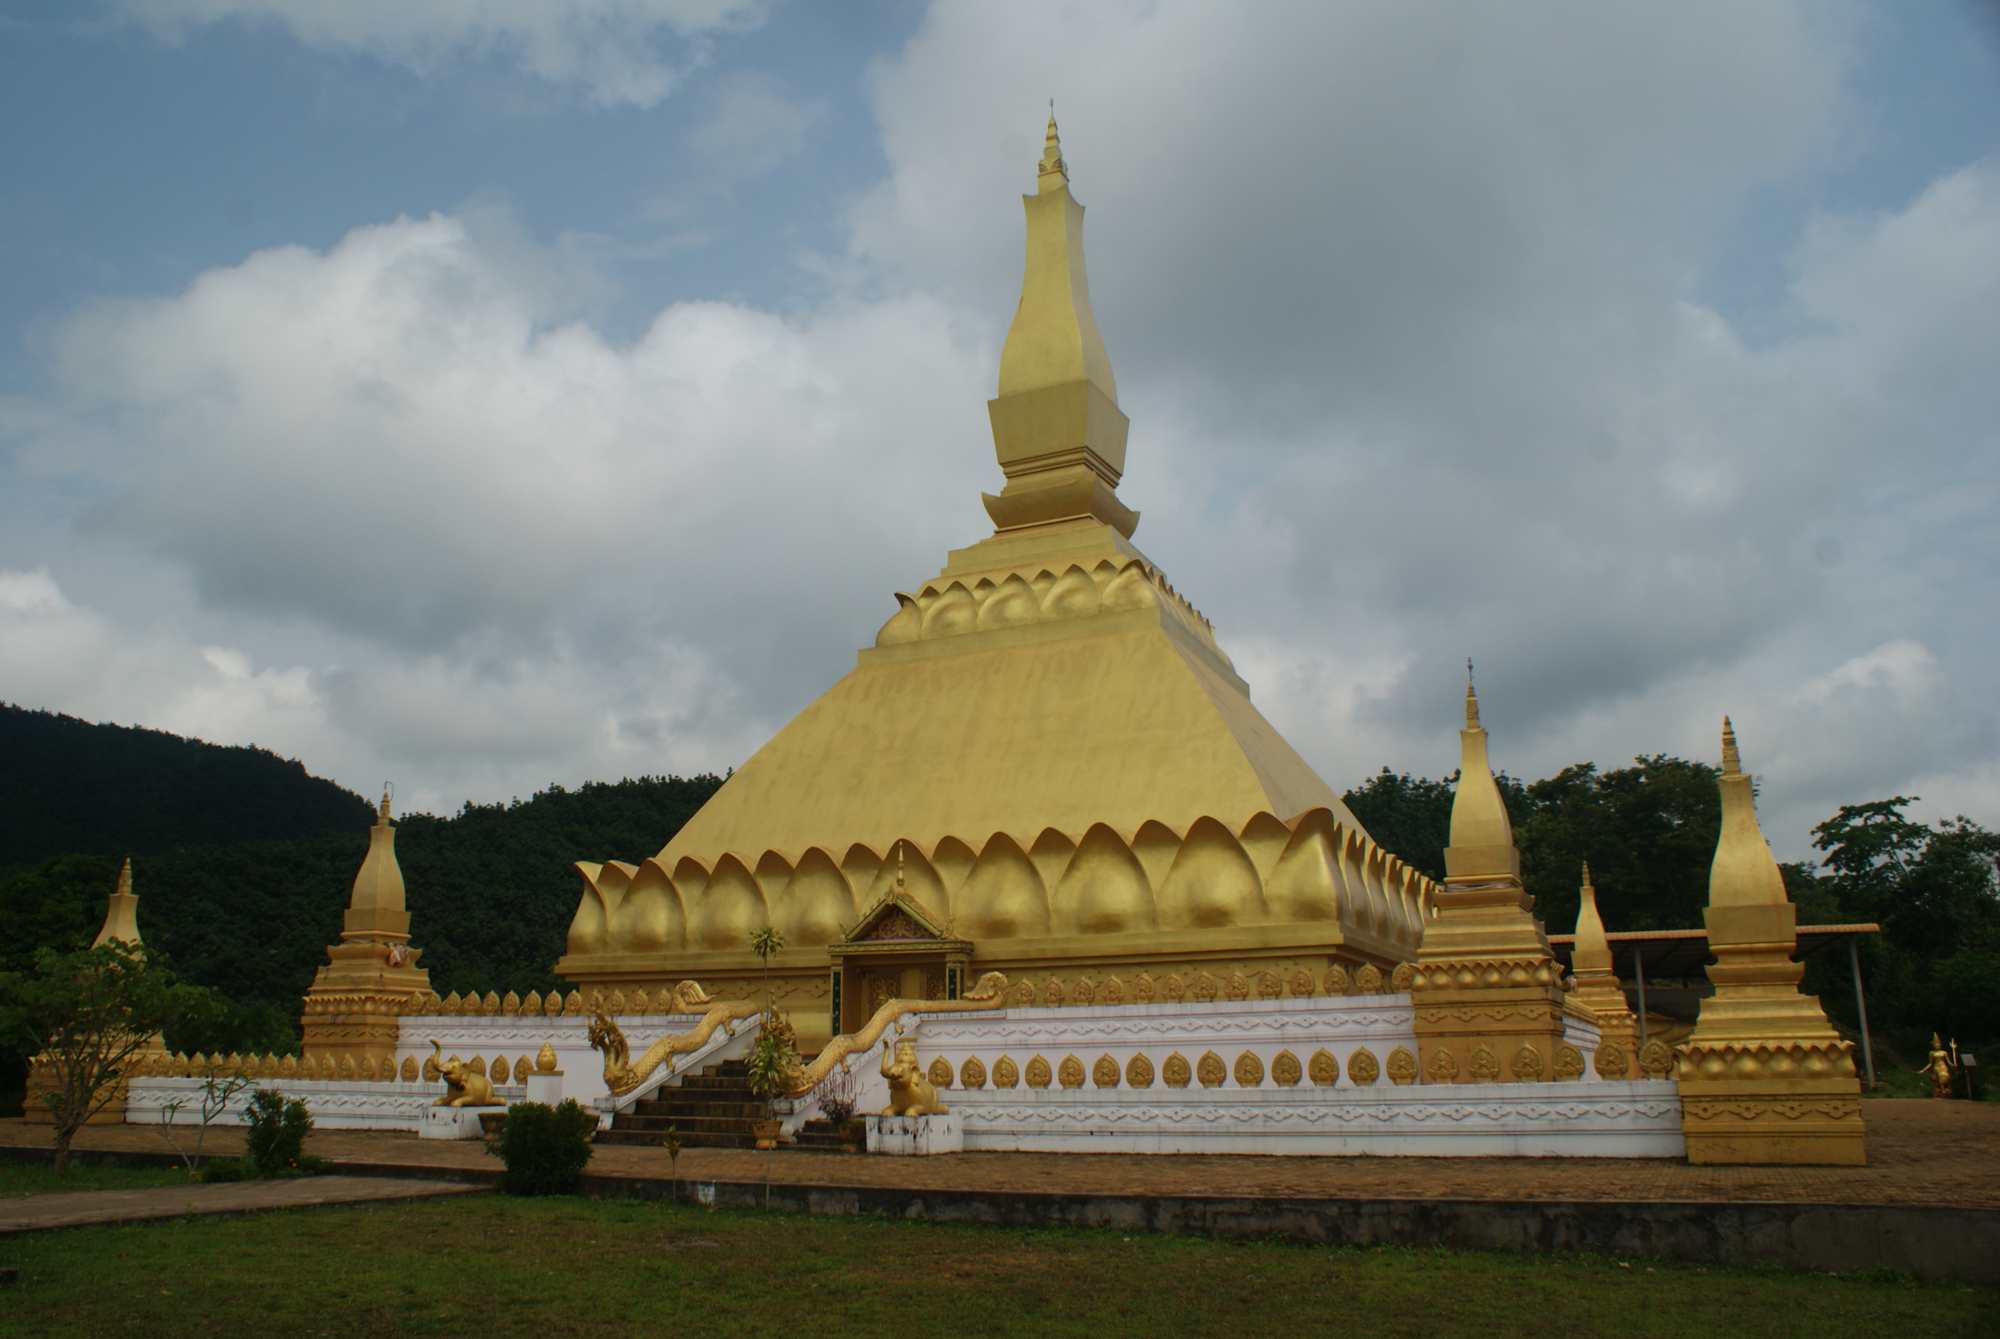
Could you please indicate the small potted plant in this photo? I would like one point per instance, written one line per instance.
(774, 1056)
(773, 1060)
(836, 1107)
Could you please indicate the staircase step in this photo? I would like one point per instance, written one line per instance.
(653, 1139)
(713, 1111)
(626, 1121)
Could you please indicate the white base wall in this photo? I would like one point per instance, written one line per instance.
(334, 1105)
(1586, 1118)
(1574, 1120)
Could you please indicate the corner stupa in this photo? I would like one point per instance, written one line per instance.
(1051, 732)
(351, 1006)
(121, 912)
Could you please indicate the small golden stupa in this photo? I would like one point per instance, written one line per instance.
(352, 1005)
(1487, 990)
(121, 923)
(1764, 1078)
(1597, 988)
(1048, 741)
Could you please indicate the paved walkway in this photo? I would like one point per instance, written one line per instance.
(32, 1213)
(1920, 1153)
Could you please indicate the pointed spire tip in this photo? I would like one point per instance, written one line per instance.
(1732, 761)
(1052, 164)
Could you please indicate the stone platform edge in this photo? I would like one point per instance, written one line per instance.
(1934, 1243)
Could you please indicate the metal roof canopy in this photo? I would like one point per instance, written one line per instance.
(1669, 953)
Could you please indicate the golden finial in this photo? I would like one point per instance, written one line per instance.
(382, 813)
(125, 878)
(1586, 878)
(899, 869)
(1732, 761)
(1471, 698)
(1053, 169)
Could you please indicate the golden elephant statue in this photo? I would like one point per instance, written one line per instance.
(910, 1093)
(462, 1086)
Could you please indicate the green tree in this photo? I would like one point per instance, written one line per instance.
(84, 1015)
(1648, 832)
(1935, 891)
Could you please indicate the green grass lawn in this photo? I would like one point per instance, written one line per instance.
(21, 1178)
(490, 1266)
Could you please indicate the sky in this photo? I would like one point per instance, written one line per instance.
(483, 395)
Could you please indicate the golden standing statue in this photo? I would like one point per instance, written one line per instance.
(1938, 1065)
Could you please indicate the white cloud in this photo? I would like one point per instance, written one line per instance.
(623, 52)
(753, 125)
(1405, 309)
(521, 553)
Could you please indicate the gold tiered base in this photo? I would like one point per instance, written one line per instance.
(353, 1004)
(1790, 1104)
(1488, 1021)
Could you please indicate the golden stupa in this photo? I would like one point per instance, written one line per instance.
(1044, 765)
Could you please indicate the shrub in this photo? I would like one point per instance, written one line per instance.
(545, 1148)
(837, 1096)
(277, 1132)
(226, 1169)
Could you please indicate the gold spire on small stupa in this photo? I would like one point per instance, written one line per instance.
(121, 913)
(1592, 952)
(1482, 836)
(1744, 871)
(375, 906)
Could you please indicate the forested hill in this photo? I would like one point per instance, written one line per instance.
(71, 787)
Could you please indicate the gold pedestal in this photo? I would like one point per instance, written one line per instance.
(1487, 1021)
(355, 1003)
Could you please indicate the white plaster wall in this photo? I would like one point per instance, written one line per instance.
(334, 1105)
(1586, 1118)
(1578, 1120)
(1339, 1024)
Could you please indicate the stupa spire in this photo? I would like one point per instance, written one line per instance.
(121, 912)
(1057, 428)
(1592, 952)
(375, 907)
(1482, 836)
(1744, 872)
(1054, 171)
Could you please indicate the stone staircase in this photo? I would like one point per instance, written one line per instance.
(712, 1109)
(821, 1136)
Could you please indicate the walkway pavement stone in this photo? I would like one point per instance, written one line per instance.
(1919, 1153)
(33, 1213)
